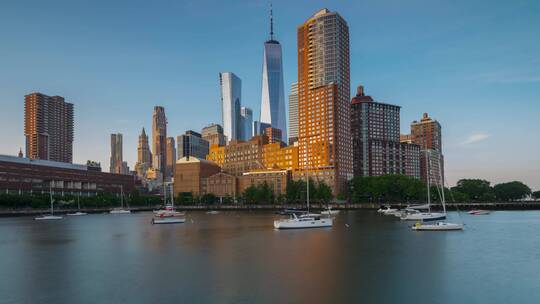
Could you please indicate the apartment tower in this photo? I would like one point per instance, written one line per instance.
(325, 145)
(48, 127)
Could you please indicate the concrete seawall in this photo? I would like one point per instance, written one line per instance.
(531, 205)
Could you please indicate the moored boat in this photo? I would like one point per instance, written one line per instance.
(303, 221)
(479, 212)
(50, 216)
(439, 226)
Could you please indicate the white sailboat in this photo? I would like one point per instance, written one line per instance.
(120, 210)
(78, 213)
(425, 216)
(439, 226)
(169, 215)
(50, 216)
(309, 220)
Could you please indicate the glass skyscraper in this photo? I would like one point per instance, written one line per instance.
(273, 95)
(231, 94)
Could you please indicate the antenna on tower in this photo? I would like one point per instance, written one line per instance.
(271, 23)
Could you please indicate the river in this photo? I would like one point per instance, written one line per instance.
(237, 257)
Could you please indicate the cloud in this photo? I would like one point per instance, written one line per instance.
(475, 137)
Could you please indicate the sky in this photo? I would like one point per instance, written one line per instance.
(472, 65)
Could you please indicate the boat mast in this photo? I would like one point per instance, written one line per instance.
(50, 197)
(122, 196)
(307, 175)
(427, 178)
(442, 187)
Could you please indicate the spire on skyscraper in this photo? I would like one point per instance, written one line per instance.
(271, 23)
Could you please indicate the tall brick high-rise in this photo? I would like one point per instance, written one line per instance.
(159, 140)
(427, 134)
(48, 127)
(325, 145)
(377, 148)
(117, 157)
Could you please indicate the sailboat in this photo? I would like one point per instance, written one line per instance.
(78, 213)
(425, 216)
(308, 220)
(50, 216)
(439, 226)
(168, 215)
(120, 210)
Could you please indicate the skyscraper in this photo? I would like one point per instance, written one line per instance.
(159, 143)
(213, 134)
(144, 156)
(48, 127)
(192, 144)
(171, 155)
(231, 95)
(427, 134)
(116, 154)
(272, 95)
(293, 113)
(246, 117)
(377, 149)
(324, 99)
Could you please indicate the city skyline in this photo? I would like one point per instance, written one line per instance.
(475, 78)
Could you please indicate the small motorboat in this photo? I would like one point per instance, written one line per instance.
(310, 220)
(168, 220)
(212, 212)
(388, 210)
(479, 212)
(439, 226)
(329, 211)
(119, 211)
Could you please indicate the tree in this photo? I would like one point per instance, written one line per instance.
(387, 188)
(324, 192)
(475, 189)
(250, 195)
(511, 191)
(536, 194)
(208, 199)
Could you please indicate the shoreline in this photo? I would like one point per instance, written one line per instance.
(532, 205)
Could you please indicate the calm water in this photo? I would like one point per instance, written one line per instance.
(237, 257)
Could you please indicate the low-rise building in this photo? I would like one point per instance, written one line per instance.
(276, 179)
(189, 175)
(19, 175)
(221, 185)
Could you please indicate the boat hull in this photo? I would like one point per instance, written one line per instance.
(120, 211)
(479, 212)
(424, 217)
(77, 214)
(291, 224)
(169, 220)
(438, 227)
(48, 218)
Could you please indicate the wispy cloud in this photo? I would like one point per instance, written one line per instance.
(475, 137)
(507, 77)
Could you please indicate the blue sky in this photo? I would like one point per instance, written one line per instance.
(472, 65)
